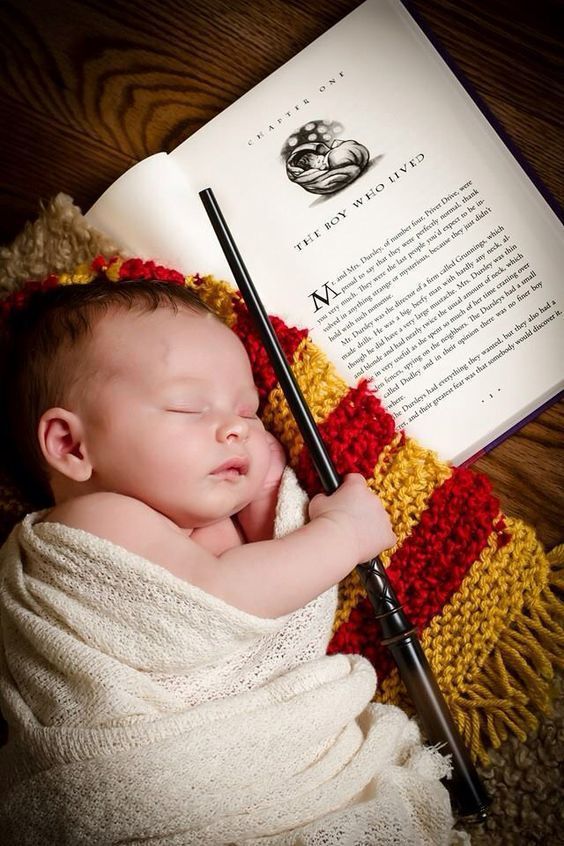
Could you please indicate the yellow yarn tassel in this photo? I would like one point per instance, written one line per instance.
(496, 668)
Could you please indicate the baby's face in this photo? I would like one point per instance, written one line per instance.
(171, 418)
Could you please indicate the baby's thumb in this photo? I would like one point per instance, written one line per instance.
(315, 502)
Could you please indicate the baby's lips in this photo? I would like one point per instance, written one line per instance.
(238, 463)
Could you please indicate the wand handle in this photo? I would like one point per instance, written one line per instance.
(398, 634)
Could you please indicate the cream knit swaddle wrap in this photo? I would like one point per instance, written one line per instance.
(142, 708)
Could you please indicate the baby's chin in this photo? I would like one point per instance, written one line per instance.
(217, 502)
(211, 517)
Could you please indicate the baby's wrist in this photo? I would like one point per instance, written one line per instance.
(343, 530)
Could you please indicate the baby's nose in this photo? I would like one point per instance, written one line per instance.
(233, 427)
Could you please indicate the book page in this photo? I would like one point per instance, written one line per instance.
(373, 203)
(153, 212)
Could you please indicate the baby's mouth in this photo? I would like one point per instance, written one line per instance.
(233, 468)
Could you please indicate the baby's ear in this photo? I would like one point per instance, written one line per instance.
(61, 438)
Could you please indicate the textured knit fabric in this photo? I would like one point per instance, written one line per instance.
(142, 707)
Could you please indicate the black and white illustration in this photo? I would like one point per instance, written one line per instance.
(321, 163)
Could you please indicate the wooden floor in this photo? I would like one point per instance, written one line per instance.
(89, 87)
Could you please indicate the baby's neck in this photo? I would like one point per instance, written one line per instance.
(218, 538)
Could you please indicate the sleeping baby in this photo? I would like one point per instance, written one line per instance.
(162, 657)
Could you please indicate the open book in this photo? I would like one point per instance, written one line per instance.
(373, 203)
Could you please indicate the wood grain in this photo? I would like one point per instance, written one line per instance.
(91, 87)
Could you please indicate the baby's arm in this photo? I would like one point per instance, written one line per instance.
(256, 520)
(268, 578)
(272, 578)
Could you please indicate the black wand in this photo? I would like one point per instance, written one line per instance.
(398, 634)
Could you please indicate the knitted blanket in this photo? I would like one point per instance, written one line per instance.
(144, 708)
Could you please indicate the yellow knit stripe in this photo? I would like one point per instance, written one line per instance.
(215, 294)
(321, 385)
(385, 459)
(494, 646)
(406, 482)
(278, 419)
(323, 390)
(351, 591)
(114, 269)
(82, 275)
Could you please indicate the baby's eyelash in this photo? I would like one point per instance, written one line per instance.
(245, 413)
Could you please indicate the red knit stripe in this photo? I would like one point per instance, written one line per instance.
(360, 635)
(288, 336)
(450, 535)
(136, 268)
(433, 560)
(355, 433)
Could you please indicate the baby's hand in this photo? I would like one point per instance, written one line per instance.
(257, 518)
(360, 512)
(277, 463)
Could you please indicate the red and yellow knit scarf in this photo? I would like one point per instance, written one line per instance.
(477, 585)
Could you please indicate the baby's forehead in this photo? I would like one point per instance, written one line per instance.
(126, 340)
(139, 326)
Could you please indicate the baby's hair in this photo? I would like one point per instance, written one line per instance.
(40, 341)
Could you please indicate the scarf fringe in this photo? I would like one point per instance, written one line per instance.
(516, 679)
